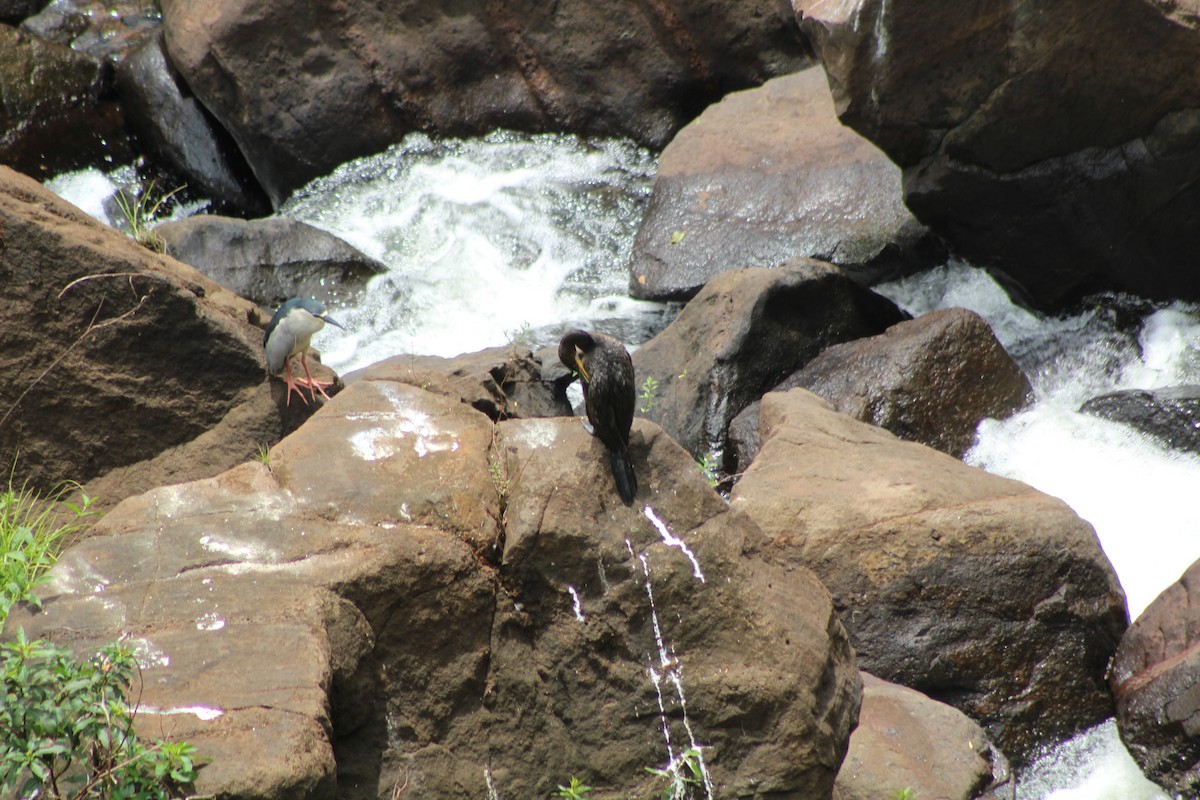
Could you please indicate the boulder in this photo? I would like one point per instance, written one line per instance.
(502, 382)
(1043, 142)
(177, 131)
(769, 174)
(1153, 678)
(973, 589)
(632, 70)
(116, 355)
(928, 380)
(270, 260)
(56, 114)
(905, 741)
(1170, 415)
(741, 335)
(411, 598)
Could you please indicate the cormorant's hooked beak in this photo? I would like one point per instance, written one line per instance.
(579, 366)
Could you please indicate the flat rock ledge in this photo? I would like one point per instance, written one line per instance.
(410, 595)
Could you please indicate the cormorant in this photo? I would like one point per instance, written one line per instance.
(289, 333)
(606, 374)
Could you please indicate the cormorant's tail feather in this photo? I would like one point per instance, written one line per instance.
(622, 471)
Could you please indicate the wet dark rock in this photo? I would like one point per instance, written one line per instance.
(741, 335)
(13, 11)
(56, 113)
(904, 740)
(928, 380)
(1154, 678)
(176, 130)
(768, 174)
(272, 259)
(973, 589)
(1043, 141)
(627, 69)
(1171, 415)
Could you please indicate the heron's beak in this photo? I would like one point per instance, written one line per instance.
(580, 368)
(333, 321)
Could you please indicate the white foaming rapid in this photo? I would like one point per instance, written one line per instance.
(485, 240)
(1134, 491)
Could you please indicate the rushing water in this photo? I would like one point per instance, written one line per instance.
(516, 237)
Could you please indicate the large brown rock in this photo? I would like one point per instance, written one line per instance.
(121, 363)
(741, 335)
(904, 740)
(627, 69)
(409, 596)
(1058, 144)
(769, 174)
(974, 589)
(928, 380)
(1154, 676)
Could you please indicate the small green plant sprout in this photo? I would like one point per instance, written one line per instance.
(686, 776)
(575, 790)
(906, 793)
(522, 336)
(263, 455)
(140, 211)
(677, 236)
(710, 468)
(68, 729)
(32, 529)
(648, 394)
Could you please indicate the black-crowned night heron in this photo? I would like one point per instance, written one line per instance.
(288, 335)
(606, 374)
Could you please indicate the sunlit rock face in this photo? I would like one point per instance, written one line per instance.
(1057, 144)
(974, 589)
(284, 79)
(117, 355)
(411, 595)
(766, 175)
(1152, 678)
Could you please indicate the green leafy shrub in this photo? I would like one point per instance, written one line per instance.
(32, 529)
(68, 731)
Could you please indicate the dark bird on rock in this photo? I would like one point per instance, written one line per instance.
(606, 374)
(288, 335)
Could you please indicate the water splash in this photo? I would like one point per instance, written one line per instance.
(485, 240)
(1092, 766)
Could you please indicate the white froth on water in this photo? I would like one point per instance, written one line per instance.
(1134, 491)
(86, 189)
(485, 240)
(1092, 766)
(1131, 488)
